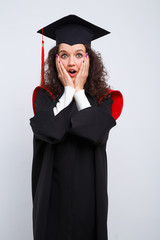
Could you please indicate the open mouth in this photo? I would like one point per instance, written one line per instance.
(72, 73)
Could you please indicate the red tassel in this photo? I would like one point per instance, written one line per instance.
(42, 61)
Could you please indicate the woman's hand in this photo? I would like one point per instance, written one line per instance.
(82, 75)
(63, 75)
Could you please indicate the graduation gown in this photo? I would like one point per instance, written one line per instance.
(69, 171)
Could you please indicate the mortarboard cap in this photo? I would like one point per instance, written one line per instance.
(72, 30)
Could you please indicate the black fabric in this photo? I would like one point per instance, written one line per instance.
(81, 34)
(69, 171)
(72, 29)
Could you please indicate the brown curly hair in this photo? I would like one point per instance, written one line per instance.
(96, 84)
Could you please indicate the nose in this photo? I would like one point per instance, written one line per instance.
(71, 61)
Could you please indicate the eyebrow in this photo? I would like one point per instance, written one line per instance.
(76, 50)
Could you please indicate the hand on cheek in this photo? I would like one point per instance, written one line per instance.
(82, 75)
(63, 74)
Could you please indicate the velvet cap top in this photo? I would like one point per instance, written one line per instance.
(72, 30)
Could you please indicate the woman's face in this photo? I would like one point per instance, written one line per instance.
(71, 57)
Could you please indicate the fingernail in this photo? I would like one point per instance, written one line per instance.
(83, 61)
(59, 62)
(86, 54)
(57, 55)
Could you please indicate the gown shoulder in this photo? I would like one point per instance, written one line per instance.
(41, 96)
(117, 103)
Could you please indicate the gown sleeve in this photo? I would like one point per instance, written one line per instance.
(94, 123)
(45, 125)
(64, 100)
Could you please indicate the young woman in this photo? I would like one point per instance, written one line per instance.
(74, 112)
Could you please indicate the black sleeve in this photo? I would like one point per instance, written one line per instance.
(93, 123)
(45, 125)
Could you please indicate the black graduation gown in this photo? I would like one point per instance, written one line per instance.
(69, 171)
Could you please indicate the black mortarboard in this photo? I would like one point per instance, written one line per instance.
(73, 30)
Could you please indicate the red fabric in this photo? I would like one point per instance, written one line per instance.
(117, 105)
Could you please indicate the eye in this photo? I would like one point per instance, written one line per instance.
(79, 55)
(63, 55)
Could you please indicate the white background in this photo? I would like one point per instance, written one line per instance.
(131, 54)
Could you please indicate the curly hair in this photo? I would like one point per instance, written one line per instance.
(96, 84)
